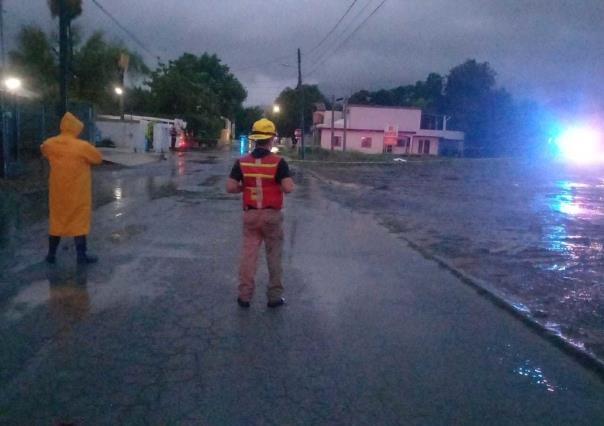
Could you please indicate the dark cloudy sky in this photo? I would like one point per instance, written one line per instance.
(551, 50)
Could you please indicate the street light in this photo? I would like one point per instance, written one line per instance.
(120, 92)
(9, 154)
(12, 84)
(276, 109)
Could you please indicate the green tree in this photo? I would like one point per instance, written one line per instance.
(245, 118)
(34, 60)
(289, 100)
(474, 104)
(96, 71)
(94, 67)
(199, 88)
(427, 95)
(362, 97)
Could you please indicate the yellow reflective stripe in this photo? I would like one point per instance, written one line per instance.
(259, 165)
(260, 175)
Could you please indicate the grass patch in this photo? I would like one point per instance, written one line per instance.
(321, 154)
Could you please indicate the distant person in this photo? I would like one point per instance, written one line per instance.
(69, 189)
(173, 134)
(263, 177)
(149, 136)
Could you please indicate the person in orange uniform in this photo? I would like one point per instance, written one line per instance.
(69, 187)
(263, 178)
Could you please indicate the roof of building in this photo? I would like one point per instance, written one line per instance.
(383, 107)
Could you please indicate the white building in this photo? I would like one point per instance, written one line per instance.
(132, 132)
(399, 130)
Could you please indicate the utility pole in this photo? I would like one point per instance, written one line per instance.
(333, 106)
(2, 138)
(301, 95)
(2, 50)
(63, 52)
(345, 123)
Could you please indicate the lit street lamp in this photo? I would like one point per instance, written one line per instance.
(9, 154)
(120, 92)
(276, 109)
(12, 84)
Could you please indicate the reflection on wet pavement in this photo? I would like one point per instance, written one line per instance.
(535, 375)
(69, 301)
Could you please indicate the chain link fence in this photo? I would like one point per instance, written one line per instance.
(26, 124)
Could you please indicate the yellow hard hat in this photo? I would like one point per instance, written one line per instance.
(263, 129)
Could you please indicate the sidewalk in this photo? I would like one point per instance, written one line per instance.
(128, 158)
(373, 333)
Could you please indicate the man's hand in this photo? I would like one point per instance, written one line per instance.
(233, 186)
(287, 185)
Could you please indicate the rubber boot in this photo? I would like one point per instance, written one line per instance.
(81, 249)
(53, 244)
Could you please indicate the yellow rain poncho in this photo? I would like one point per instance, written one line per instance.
(70, 197)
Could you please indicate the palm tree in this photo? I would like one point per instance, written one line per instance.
(74, 8)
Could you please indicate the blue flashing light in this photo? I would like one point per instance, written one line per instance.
(243, 142)
(579, 144)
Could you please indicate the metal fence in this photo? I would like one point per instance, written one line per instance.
(26, 124)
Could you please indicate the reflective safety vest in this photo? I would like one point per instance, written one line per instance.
(260, 190)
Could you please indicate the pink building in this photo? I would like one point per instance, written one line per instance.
(399, 130)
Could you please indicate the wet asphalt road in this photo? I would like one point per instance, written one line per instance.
(373, 333)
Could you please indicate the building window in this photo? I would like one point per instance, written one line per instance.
(402, 142)
(337, 141)
(365, 142)
(423, 146)
(388, 148)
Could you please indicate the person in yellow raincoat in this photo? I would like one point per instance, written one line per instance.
(69, 189)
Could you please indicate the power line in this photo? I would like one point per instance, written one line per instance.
(321, 61)
(280, 58)
(263, 63)
(322, 52)
(124, 29)
(334, 28)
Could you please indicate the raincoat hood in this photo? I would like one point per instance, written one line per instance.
(71, 125)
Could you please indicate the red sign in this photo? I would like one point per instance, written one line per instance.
(390, 135)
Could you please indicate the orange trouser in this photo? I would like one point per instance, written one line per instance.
(261, 225)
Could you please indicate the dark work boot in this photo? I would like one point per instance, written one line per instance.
(276, 303)
(53, 244)
(81, 249)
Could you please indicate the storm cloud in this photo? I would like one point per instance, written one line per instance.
(550, 50)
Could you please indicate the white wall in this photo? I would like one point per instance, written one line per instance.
(433, 145)
(377, 118)
(125, 134)
(161, 137)
(353, 141)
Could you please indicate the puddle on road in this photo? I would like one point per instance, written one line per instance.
(64, 291)
(127, 233)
